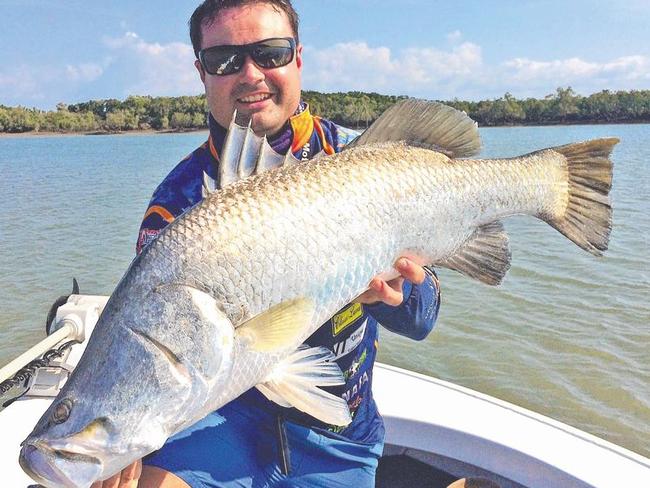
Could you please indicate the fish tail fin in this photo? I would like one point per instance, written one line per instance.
(587, 219)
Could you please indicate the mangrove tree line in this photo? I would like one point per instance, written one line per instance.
(352, 109)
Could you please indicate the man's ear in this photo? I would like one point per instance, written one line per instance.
(299, 56)
(199, 68)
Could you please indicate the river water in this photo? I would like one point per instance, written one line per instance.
(566, 335)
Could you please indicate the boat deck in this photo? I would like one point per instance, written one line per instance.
(401, 471)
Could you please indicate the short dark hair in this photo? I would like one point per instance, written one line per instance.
(208, 11)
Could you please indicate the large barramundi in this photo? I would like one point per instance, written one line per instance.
(224, 297)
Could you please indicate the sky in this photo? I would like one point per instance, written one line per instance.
(72, 51)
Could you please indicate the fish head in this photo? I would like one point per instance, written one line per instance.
(148, 372)
(80, 440)
(59, 468)
(72, 447)
(78, 460)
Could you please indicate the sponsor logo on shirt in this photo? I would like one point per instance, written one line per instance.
(354, 404)
(354, 391)
(354, 367)
(304, 155)
(346, 317)
(342, 348)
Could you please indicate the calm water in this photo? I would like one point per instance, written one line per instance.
(567, 334)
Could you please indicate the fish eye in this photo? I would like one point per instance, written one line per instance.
(62, 411)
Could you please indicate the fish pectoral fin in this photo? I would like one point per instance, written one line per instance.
(279, 327)
(295, 383)
(423, 123)
(485, 256)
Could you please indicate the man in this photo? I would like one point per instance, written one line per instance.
(249, 59)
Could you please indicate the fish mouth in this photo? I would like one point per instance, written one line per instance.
(55, 467)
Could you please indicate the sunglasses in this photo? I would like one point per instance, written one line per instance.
(268, 54)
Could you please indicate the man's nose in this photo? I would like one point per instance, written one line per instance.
(250, 72)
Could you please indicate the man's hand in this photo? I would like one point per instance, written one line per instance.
(127, 478)
(390, 292)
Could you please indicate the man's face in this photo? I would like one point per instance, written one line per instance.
(269, 96)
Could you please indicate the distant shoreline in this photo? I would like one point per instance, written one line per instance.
(135, 132)
(155, 115)
(145, 132)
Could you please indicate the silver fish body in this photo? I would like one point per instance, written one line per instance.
(223, 299)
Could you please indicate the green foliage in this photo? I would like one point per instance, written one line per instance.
(5, 120)
(562, 107)
(121, 119)
(352, 109)
(20, 119)
(181, 120)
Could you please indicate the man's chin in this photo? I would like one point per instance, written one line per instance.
(266, 119)
(267, 124)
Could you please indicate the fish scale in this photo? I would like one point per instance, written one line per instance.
(222, 299)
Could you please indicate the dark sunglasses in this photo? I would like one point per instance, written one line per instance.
(268, 53)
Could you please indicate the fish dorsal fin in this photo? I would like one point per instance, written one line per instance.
(426, 124)
(296, 382)
(279, 327)
(245, 153)
(209, 185)
(319, 154)
(485, 256)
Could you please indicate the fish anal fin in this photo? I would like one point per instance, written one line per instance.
(427, 124)
(296, 382)
(485, 256)
(279, 327)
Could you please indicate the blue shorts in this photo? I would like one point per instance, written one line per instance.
(237, 446)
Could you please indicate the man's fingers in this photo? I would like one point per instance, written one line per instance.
(127, 478)
(112, 482)
(131, 473)
(387, 294)
(391, 292)
(411, 271)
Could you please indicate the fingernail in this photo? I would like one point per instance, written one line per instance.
(402, 263)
